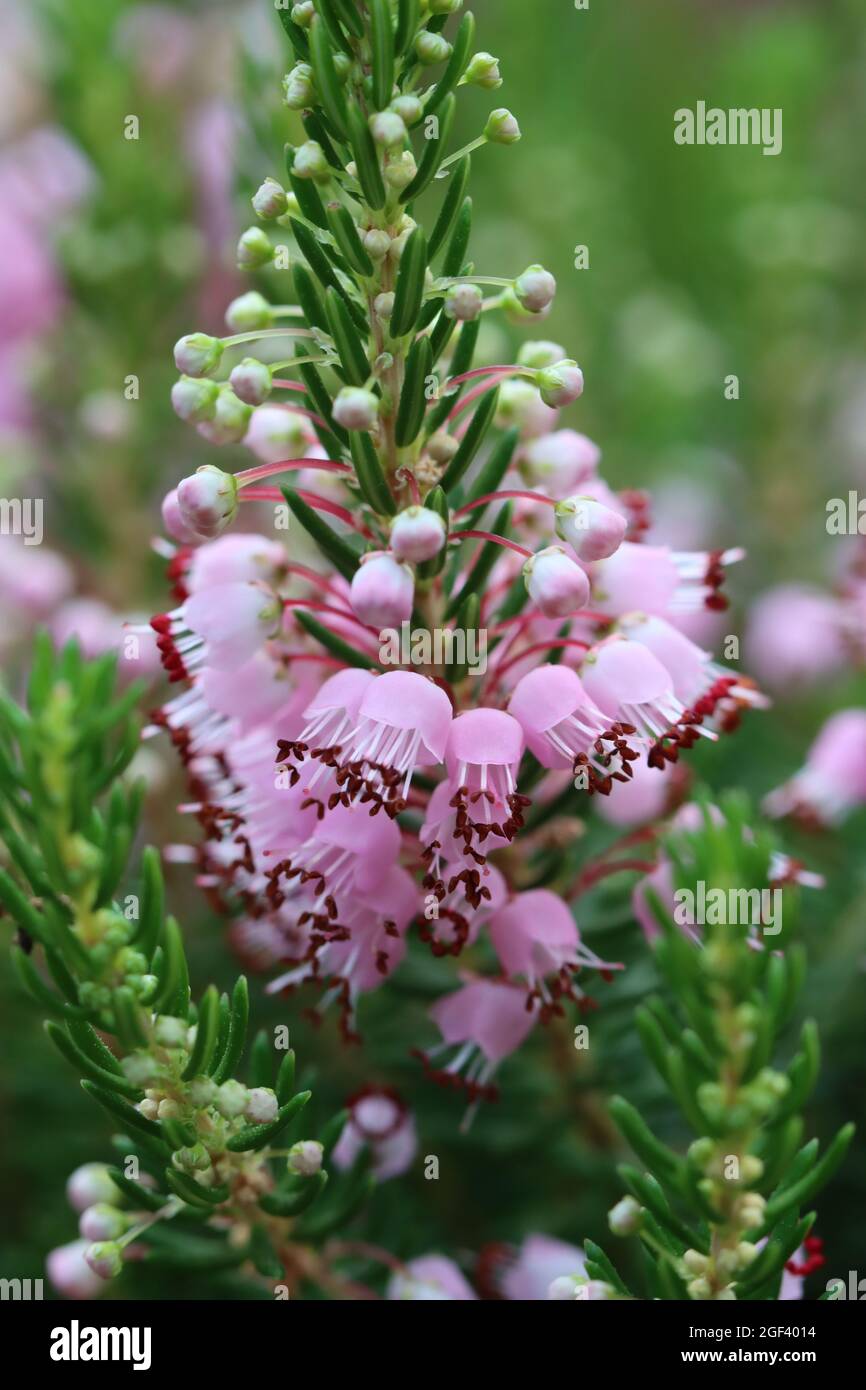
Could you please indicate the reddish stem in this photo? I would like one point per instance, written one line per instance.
(405, 475)
(286, 385)
(269, 470)
(314, 606)
(489, 536)
(593, 875)
(321, 504)
(506, 492)
(556, 644)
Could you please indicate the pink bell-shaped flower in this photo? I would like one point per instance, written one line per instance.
(536, 937)
(565, 728)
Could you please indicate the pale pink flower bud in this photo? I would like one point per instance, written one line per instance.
(251, 381)
(248, 312)
(387, 128)
(562, 461)
(230, 419)
(305, 1158)
(626, 1218)
(208, 500)
(464, 303)
(231, 1099)
(560, 384)
(535, 289)
(502, 127)
(592, 531)
(540, 1260)
(430, 1279)
(88, 1185)
(70, 1273)
(383, 591)
(102, 1222)
(262, 1105)
(172, 520)
(194, 401)
(417, 534)
(197, 354)
(520, 405)
(556, 583)
(356, 409)
(277, 432)
(269, 200)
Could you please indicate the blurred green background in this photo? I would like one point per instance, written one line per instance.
(702, 263)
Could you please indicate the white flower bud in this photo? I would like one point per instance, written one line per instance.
(409, 108)
(231, 1099)
(387, 128)
(298, 90)
(310, 162)
(540, 353)
(502, 127)
(168, 1109)
(148, 1108)
(170, 1032)
(483, 71)
(464, 303)
(356, 408)
(202, 1091)
(197, 354)
(89, 1184)
(556, 583)
(104, 1259)
(377, 244)
(208, 500)
(254, 249)
(560, 384)
(262, 1105)
(249, 312)
(251, 381)
(384, 305)
(302, 14)
(269, 200)
(563, 1289)
(626, 1218)
(305, 1158)
(535, 289)
(431, 48)
(399, 173)
(417, 534)
(593, 531)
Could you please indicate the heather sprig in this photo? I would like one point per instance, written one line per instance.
(212, 1171)
(725, 1219)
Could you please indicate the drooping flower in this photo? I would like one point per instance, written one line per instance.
(565, 728)
(379, 1120)
(537, 939)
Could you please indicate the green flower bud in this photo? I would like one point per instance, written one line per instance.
(409, 108)
(626, 1218)
(384, 305)
(502, 127)
(104, 1258)
(197, 354)
(249, 312)
(444, 6)
(170, 1032)
(540, 353)
(193, 400)
(399, 173)
(310, 162)
(269, 200)
(431, 48)
(483, 71)
(231, 1099)
(464, 303)
(254, 249)
(202, 1091)
(302, 14)
(230, 420)
(298, 89)
(377, 244)
(194, 1159)
(442, 446)
(535, 289)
